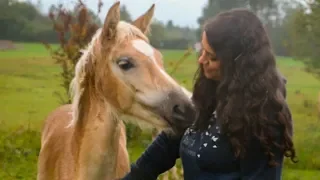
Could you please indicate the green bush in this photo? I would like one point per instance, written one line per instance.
(19, 150)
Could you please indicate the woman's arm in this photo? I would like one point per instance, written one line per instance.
(159, 157)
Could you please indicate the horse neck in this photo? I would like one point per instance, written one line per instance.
(96, 138)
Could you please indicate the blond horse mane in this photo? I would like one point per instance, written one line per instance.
(125, 31)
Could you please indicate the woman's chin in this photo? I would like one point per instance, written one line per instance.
(209, 76)
(212, 76)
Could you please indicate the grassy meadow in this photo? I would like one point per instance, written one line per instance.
(29, 82)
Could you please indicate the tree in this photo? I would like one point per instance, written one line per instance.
(124, 14)
(214, 7)
(74, 29)
(157, 34)
(170, 24)
(22, 21)
(304, 33)
(269, 11)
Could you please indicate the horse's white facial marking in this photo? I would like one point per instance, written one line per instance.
(147, 50)
(144, 48)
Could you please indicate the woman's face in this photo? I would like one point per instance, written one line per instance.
(211, 65)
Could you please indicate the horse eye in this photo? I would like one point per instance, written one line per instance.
(125, 63)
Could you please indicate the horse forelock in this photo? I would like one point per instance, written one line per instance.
(125, 32)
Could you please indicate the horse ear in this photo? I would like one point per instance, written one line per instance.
(110, 23)
(143, 22)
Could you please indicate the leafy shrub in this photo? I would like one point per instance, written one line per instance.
(19, 150)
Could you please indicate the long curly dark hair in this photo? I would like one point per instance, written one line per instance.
(250, 97)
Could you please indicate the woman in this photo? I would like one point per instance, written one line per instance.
(243, 127)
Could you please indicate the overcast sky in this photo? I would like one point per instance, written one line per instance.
(182, 12)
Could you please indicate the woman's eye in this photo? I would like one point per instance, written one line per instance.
(125, 63)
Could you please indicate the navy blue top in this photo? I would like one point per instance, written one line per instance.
(205, 155)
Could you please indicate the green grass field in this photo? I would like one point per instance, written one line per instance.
(29, 80)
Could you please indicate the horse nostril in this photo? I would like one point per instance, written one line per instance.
(178, 109)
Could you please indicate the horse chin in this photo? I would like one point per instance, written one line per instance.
(168, 126)
(160, 118)
(158, 122)
(166, 122)
(152, 116)
(142, 115)
(154, 121)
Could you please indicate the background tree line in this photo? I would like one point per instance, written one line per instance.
(294, 29)
(273, 14)
(23, 21)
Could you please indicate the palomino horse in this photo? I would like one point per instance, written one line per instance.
(118, 74)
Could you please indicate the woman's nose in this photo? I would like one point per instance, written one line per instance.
(201, 59)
